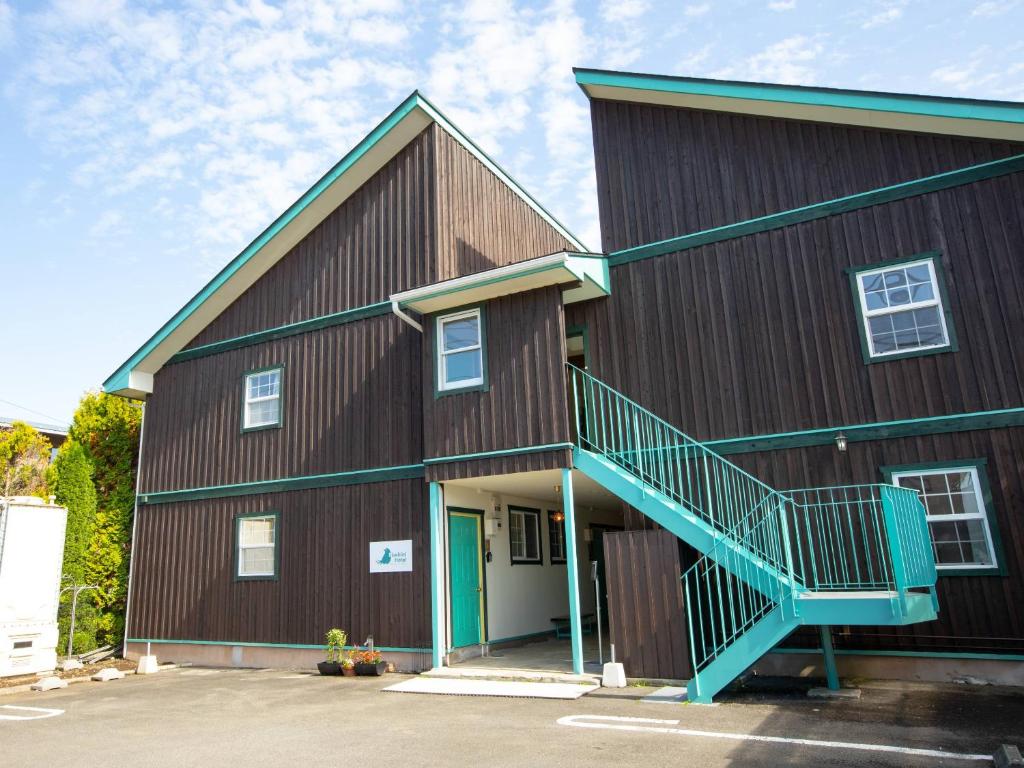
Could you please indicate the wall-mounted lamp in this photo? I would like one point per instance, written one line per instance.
(558, 489)
(558, 516)
(841, 442)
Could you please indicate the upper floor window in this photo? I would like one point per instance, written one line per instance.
(460, 350)
(262, 399)
(902, 309)
(957, 511)
(256, 546)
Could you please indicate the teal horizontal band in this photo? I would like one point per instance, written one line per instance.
(303, 646)
(504, 452)
(283, 331)
(846, 204)
(355, 477)
(912, 654)
(882, 430)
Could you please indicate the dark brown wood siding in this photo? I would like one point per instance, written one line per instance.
(664, 171)
(351, 401)
(759, 334)
(525, 402)
(481, 223)
(646, 615)
(976, 613)
(183, 583)
(379, 241)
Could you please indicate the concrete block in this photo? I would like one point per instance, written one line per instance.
(147, 666)
(1006, 756)
(107, 674)
(828, 693)
(614, 675)
(49, 684)
(70, 664)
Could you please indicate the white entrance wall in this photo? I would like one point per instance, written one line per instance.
(522, 599)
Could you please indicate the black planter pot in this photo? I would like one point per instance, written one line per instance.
(329, 668)
(365, 669)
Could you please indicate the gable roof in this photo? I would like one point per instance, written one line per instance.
(1000, 120)
(134, 378)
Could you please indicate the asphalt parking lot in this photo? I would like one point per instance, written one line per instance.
(196, 716)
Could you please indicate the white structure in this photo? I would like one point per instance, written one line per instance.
(31, 554)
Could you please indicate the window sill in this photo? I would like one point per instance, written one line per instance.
(868, 360)
(262, 428)
(485, 387)
(528, 562)
(985, 571)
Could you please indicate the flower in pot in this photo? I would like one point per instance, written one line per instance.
(348, 664)
(370, 662)
(334, 645)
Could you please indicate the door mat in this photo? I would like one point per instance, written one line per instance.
(449, 687)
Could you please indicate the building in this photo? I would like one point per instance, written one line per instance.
(417, 407)
(55, 434)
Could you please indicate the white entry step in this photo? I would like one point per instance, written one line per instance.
(504, 688)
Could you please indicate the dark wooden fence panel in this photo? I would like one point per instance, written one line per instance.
(645, 604)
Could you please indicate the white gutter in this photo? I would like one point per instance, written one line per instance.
(405, 317)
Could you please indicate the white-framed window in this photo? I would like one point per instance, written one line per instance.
(956, 512)
(524, 535)
(262, 399)
(256, 546)
(556, 537)
(901, 309)
(460, 350)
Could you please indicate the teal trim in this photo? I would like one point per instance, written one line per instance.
(880, 430)
(277, 546)
(246, 644)
(484, 385)
(491, 454)
(527, 636)
(981, 467)
(354, 477)
(935, 257)
(931, 106)
(436, 577)
(280, 400)
(828, 653)
(283, 332)
(573, 571)
(119, 379)
(913, 654)
(846, 204)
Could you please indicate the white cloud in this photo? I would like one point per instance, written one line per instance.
(614, 11)
(988, 9)
(694, 11)
(791, 61)
(782, 5)
(107, 224)
(885, 16)
(6, 25)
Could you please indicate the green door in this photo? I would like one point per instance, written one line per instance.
(467, 588)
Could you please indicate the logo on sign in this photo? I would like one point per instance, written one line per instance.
(390, 556)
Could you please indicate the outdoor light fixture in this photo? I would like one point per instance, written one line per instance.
(558, 516)
(841, 442)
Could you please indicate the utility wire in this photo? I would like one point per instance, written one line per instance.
(30, 410)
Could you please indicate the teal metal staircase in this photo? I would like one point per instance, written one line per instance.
(769, 561)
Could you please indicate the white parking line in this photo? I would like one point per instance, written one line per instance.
(39, 713)
(649, 725)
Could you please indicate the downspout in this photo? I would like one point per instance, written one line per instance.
(135, 526)
(404, 316)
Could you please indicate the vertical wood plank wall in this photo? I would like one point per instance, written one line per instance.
(665, 171)
(646, 615)
(525, 403)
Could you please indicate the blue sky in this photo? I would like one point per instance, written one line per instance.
(143, 145)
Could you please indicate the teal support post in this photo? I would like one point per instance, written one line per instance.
(829, 652)
(436, 576)
(574, 571)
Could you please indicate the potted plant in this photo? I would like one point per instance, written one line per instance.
(370, 662)
(334, 645)
(348, 664)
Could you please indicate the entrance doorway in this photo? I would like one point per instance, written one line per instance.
(465, 555)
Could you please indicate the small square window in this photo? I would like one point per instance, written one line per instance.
(524, 535)
(958, 519)
(262, 399)
(902, 310)
(256, 546)
(460, 351)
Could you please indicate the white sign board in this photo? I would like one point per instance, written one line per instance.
(390, 556)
